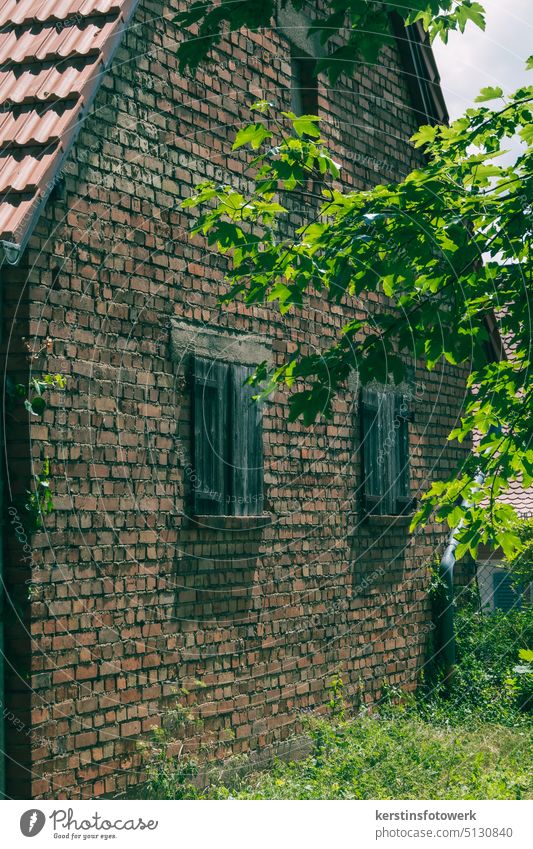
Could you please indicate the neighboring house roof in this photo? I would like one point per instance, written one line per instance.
(519, 498)
(501, 347)
(53, 57)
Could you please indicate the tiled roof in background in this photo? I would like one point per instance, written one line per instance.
(519, 498)
(53, 56)
(503, 346)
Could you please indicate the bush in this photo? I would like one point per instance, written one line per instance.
(522, 683)
(484, 689)
(521, 564)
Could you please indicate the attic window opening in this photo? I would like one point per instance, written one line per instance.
(304, 84)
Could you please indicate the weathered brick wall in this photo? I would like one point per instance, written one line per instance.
(130, 601)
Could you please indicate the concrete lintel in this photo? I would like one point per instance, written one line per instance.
(219, 344)
(294, 25)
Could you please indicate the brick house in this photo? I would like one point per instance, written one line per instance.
(152, 574)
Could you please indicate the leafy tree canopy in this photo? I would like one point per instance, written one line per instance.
(364, 25)
(449, 247)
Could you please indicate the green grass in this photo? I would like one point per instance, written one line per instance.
(400, 758)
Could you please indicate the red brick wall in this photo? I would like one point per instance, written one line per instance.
(130, 601)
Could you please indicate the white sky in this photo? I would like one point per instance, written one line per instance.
(475, 59)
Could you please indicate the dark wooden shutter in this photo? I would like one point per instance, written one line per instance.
(246, 466)
(506, 597)
(387, 450)
(209, 482)
(371, 430)
(422, 75)
(400, 476)
(384, 417)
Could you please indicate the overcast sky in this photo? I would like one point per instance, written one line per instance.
(495, 57)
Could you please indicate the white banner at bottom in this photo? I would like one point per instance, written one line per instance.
(272, 825)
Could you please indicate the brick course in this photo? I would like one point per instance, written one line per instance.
(130, 601)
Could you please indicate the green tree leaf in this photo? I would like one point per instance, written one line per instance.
(489, 93)
(252, 135)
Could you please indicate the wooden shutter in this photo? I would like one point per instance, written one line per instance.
(400, 477)
(210, 488)
(246, 466)
(384, 418)
(371, 430)
(506, 597)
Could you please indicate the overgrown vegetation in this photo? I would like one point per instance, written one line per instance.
(473, 743)
(486, 688)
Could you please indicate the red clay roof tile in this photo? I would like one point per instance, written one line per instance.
(13, 214)
(18, 12)
(519, 498)
(47, 43)
(45, 83)
(23, 174)
(33, 125)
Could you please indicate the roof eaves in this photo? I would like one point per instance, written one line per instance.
(13, 250)
(421, 70)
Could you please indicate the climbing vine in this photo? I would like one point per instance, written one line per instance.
(38, 500)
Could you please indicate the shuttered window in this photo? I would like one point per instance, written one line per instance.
(385, 415)
(228, 445)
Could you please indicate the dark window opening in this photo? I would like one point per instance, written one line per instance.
(304, 85)
(385, 416)
(228, 444)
